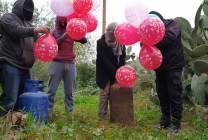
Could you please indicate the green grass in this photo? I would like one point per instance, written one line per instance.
(83, 124)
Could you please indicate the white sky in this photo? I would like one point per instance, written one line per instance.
(115, 10)
(168, 8)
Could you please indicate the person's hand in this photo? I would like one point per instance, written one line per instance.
(42, 29)
(115, 86)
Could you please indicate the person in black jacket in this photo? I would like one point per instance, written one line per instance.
(110, 56)
(16, 51)
(168, 75)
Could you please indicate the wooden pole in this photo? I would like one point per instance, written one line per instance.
(104, 16)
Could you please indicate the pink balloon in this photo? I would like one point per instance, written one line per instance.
(126, 34)
(126, 76)
(61, 7)
(46, 48)
(90, 21)
(82, 6)
(135, 13)
(71, 16)
(151, 31)
(150, 57)
(76, 29)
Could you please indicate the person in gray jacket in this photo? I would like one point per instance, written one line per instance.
(16, 51)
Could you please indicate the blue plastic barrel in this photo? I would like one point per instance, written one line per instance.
(34, 86)
(36, 103)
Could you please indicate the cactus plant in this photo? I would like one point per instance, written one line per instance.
(195, 46)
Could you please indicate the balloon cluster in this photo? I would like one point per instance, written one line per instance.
(141, 27)
(80, 19)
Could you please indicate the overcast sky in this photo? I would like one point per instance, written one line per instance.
(115, 10)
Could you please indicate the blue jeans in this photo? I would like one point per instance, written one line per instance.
(13, 80)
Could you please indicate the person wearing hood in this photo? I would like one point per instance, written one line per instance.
(168, 76)
(16, 51)
(63, 66)
(110, 56)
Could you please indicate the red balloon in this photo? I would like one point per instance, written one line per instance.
(150, 57)
(126, 34)
(76, 29)
(46, 48)
(71, 16)
(90, 21)
(126, 76)
(151, 31)
(82, 6)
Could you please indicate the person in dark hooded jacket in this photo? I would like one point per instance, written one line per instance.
(63, 66)
(16, 51)
(110, 56)
(168, 75)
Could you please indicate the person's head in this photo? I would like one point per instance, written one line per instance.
(61, 22)
(109, 34)
(157, 14)
(24, 9)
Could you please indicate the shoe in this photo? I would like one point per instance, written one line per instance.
(174, 129)
(164, 123)
(176, 126)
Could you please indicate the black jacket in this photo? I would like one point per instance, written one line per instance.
(16, 44)
(106, 63)
(171, 47)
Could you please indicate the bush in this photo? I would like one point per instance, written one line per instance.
(40, 71)
(85, 75)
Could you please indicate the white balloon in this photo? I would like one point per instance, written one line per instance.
(135, 13)
(61, 7)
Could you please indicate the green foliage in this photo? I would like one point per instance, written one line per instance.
(83, 124)
(130, 56)
(4, 7)
(205, 7)
(86, 75)
(199, 88)
(195, 44)
(40, 71)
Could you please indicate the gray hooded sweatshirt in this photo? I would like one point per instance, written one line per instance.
(16, 44)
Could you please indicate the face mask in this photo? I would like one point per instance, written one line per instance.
(110, 39)
(27, 14)
(62, 24)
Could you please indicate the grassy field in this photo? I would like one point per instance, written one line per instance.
(83, 124)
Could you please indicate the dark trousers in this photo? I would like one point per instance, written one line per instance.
(169, 90)
(13, 80)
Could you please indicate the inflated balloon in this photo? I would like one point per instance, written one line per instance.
(135, 13)
(71, 16)
(126, 76)
(82, 6)
(46, 48)
(76, 29)
(150, 57)
(151, 31)
(61, 7)
(126, 34)
(90, 21)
